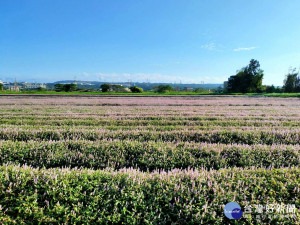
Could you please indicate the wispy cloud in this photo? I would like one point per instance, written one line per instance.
(209, 46)
(244, 49)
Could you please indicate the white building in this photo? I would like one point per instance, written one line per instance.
(34, 85)
(13, 88)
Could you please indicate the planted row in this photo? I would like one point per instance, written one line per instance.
(127, 122)
(146, 155)
(213, 136)
(59, 196)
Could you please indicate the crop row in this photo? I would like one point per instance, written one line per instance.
(32, 196)
(146, 156)
(152, 128)
(126, 122)
(213, 136)
(154, 115)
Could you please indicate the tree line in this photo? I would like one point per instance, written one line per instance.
(249, 80)
(113, 88)
(134, 89)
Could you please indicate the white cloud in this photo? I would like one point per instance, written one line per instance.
(244, 49)
(209, 46)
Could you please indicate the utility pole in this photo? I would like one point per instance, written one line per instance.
(75, 77)
(16, 85)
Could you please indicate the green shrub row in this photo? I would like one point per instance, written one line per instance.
(213, 136)
(64, 196)
(62, 121)
(146, 155)
(158, 128)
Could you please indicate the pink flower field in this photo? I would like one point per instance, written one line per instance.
(148, 160)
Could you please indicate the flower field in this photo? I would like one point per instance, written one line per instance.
(147, 160)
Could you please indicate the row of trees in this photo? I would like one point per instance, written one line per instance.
(113, 88)
(249, 80)
(158, 89)
(119, 88)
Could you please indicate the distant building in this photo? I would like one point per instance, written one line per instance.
(12, 86)
(34, 85)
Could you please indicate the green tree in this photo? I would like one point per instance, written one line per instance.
(297, 88)
(237, 83)
(65, 87)
(163, 88)
(117, 88)
(270, 89)
(41, 89)
(136, 89)
(247, 79)
(58, 87)
(1, 87)
(70, 87)
(105, 87)
(292, 81)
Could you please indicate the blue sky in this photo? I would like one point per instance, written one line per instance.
(160, 41)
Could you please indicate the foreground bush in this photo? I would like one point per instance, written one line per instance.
(84, 196)
(146, 155)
